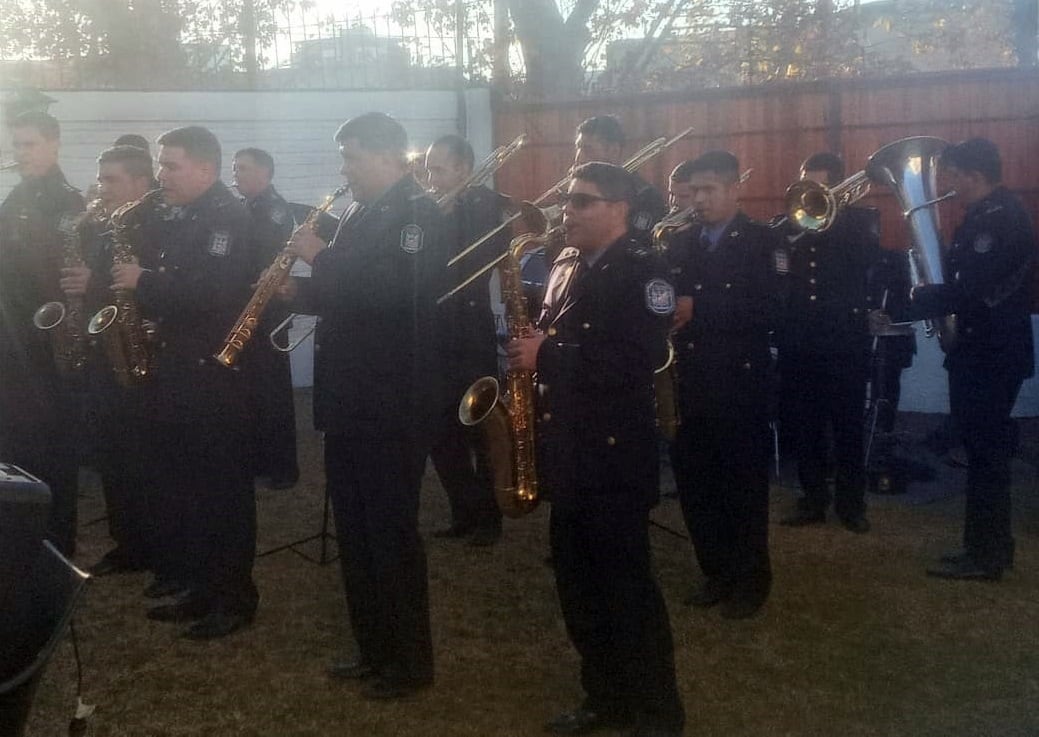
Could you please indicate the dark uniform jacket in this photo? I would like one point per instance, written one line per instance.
(724, 362)
(989, 280)
(36, 219)
(195, 294)
(376, 365)
(823, 281)
(647, 210)
(596, 418)
(467, 316)
(271, 225)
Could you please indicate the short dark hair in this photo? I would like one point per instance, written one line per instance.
(683, 172)
(458, 149)
(723, 163)
(606, 127)
(978, 155)
(615, 182)
(135, 140)
(258, 155)
(44, 124)
(198, 143)
(136, 161)
(828, 162)
(375, 132)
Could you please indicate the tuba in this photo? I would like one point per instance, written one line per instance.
(127, 343)
(909, 167)
(242, 331)
(507, 419)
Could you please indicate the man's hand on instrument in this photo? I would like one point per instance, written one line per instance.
(287, 290)
(523, 352)
(683, 312)
(74, 281)
(125, 276)
(305, 244)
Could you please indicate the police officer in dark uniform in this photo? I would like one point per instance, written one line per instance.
(600, 335)
(824, 350)
(204, 502)
(272, 225)
(37, 219)
(377, 395)
(988, 288)
(124, 174)
(601, 138)
(459, 456)
(726, 304)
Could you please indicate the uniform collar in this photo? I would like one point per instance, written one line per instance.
(217, 192)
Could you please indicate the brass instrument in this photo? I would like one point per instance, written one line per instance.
(482, 173)
(244, 327)
(814, 207)
(5, 166)
(909, 167)
(640, 157)
(126, 341)
(63, 321)
(507, 420)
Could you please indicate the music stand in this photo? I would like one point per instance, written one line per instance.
(323, 535)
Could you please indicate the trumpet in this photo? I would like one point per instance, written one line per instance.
(640, 157)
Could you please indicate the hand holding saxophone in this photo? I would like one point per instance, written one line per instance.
(126, 276)
(74, 281)
(305, 244)
(522, 351)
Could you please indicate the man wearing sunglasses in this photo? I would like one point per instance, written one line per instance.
(601, 333)
(723, 276)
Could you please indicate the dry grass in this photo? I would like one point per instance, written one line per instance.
(855, 640)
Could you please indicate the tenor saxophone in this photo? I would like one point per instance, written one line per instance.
(245, 326)
(126, 341)
(507, 419)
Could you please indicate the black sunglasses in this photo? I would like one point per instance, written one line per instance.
(581, 200)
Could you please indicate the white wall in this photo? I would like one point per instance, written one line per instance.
(296, 127)
(925, 386)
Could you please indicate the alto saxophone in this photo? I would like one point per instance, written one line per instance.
(507, 420)
(126, 341)
(63, 321)
(242, 331)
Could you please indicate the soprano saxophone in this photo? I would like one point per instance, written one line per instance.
(126, 341)
(245, 326)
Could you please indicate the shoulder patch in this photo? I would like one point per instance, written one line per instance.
(983, 243)
(660, 297)
(219, 243)
(642, 220)
(411, 237)
(781, 261)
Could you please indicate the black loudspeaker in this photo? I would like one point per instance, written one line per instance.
(38, 590)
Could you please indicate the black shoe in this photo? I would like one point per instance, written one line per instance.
(112, 564)
(857, 524)
(216, 624)
(161, 588)
(803, 518)
(585, 721)
(965, 569)
(712, 591)
(355, 669)
(385, 689)
(280, 483)
(455, 530)
(484, 537)
(185, 610)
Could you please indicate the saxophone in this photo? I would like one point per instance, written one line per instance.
(665, 378)
(507, 421)
(63, 321)
(244, 327)
(126, 341)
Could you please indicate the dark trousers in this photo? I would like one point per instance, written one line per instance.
(981, 402)
(827, 400)
(374, 487)
(48, 452)
(204, 511)
(722, 480)
(614, 613)
(461, 463)
(275, 413)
